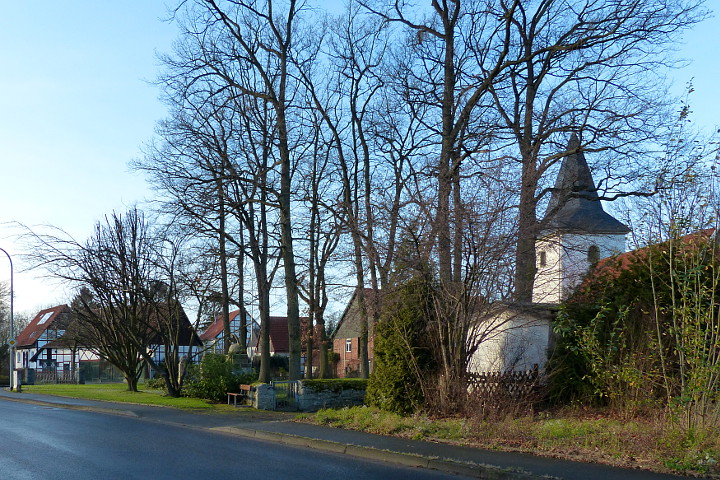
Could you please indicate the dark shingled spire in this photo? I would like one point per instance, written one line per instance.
(574, 204)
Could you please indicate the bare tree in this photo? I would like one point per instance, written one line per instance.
(260, 43)
(594, 68)
(323, 232)
(348, 99)
(121, 318)
(254, 195)
(174, 337)
(454, 52)
(459, 51)
(187, 166)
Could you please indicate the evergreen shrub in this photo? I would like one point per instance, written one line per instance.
(642, 331)
(213, 378)
(402, 356)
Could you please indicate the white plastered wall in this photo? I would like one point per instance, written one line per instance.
(566, 262)
(518, 342)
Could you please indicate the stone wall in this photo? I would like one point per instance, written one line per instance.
(311, 401)
(308, 400)
(263, 397)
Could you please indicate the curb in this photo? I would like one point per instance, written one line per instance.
(488, 472)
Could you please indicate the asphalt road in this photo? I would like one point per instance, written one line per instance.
(40, 442)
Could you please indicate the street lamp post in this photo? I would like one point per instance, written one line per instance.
(12, 325)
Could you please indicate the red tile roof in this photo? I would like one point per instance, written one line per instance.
(612, 267)
(39, 324)
(216, 327)
(279, 336)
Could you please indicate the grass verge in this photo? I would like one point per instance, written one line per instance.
(651, 443)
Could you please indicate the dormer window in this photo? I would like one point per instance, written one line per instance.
(593, 254)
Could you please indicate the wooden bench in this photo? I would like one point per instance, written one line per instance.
(243, 394)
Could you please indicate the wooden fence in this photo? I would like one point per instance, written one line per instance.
(516, 385)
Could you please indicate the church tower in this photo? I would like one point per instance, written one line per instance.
(576, 232)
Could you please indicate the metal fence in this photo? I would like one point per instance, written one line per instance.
(54, 376)
(286, 394)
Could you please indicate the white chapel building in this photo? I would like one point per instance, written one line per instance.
(576, 233)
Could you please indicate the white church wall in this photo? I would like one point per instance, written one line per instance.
(567, 260)
(548, 252)
(518, 342)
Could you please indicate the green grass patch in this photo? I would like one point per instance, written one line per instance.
(653, 442)
(374, 420)
(562, 428)
(118, 392)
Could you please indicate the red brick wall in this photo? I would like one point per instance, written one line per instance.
(348, 364)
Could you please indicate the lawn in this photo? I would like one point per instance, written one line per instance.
(118, 392)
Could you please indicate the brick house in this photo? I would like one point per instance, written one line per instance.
(346, 337)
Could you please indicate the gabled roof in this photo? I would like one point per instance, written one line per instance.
(574, 204)
(59, 316)
(214, 332)
(159, 318)
(349, 324)
(279, 335)
(216, 328)
(182, 328)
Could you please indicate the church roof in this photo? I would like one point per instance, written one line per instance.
(574, 204)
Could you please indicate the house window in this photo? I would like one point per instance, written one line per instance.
(593, 254)
(542, 258)
(348, 345)
(45, 318)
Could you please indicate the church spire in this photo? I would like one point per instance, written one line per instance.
(574, 205)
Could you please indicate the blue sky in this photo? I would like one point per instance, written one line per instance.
(76, 106)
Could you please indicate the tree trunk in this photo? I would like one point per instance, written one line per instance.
(132, 382)
(324, 368)
(443, 221)
(291, 287)
(243, 333)
(525, 267)
(264, 307)
(224, 275)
